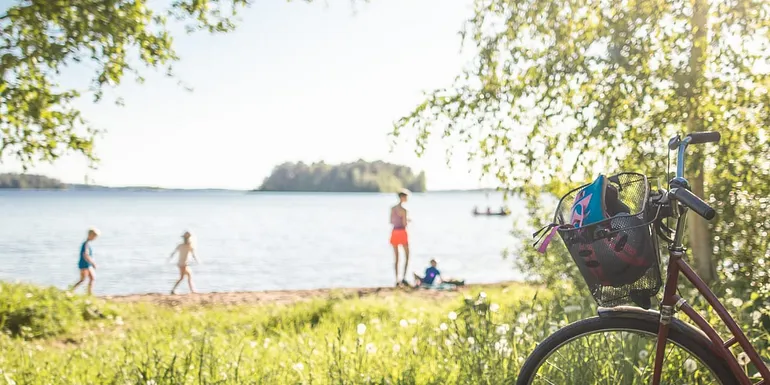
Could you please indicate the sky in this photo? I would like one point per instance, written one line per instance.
(295, 82)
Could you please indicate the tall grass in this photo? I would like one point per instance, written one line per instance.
(400, 339)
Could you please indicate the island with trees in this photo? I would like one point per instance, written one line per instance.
(359, 176)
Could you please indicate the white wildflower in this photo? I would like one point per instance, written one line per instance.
(690, 365)
(361, 329)
(736, 302)
(643, 354)
(452, 315)
(403, 323)
(370, 348)
(502, 329)
(471, 340)
(298, 367)
(443, 326)
(743, 359)
(119, 321)
(396, 348)
(503, 347)
(28, 295)
(494, 308)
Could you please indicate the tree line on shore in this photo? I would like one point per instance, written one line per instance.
(25, 181)
(358, 176)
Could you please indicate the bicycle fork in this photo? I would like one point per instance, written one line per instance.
(667, 309)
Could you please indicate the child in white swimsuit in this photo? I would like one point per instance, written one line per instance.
(185, 250)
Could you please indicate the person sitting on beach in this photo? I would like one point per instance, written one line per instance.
(185, 249)
(86, 262)
(432, 275)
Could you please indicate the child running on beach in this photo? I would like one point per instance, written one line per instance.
(185, 249)
(86, 262)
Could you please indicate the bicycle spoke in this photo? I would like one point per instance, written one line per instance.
(620, 357)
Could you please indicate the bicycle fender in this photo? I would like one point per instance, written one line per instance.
(653, 316)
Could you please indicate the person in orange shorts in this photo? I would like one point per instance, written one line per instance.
(399, 237)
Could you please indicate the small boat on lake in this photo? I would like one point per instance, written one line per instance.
(503, 212)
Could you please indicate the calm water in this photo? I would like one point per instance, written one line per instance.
(245, 241)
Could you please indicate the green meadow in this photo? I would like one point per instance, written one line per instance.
(479, 336)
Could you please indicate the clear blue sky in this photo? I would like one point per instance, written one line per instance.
(296, 81)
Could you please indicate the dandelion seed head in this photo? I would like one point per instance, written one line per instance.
(690, 365)
(572, 309)
(743, 359)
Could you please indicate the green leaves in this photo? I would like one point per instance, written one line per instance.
(561, 90)
(118, 37)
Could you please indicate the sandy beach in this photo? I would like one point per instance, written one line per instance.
(292, 296)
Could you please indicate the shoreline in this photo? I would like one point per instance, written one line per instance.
(286, 297)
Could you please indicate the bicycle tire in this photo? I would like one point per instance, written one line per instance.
(698, 348)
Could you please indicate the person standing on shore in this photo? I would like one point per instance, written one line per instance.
(185, 250)
(86, 262)
(398, 236)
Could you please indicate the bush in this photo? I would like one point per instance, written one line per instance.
(28, 311)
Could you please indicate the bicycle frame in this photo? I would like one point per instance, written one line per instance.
(672, 302)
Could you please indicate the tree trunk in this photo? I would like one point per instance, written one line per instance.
(700, 235)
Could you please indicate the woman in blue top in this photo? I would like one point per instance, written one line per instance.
(86, 262)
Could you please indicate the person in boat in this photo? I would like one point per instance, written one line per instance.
(398, 236)
(86, 263)
(184, 250)
(489, 211)
(432, 276)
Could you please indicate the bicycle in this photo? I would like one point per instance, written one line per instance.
(710, 358)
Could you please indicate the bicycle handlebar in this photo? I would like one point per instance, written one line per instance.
(704, 137)
(687, 198)
(694, 138)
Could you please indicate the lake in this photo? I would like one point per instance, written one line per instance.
(247, 241)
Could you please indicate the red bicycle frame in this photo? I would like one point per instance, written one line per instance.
(672, 302)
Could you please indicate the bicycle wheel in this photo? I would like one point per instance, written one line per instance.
(621, 351)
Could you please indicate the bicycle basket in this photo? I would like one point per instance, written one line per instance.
(616, 251)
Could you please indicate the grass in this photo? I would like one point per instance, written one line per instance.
(398, 339)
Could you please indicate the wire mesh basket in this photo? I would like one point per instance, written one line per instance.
(618, 256)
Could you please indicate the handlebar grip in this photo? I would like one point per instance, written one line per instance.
(705, 137)
(687, 198)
